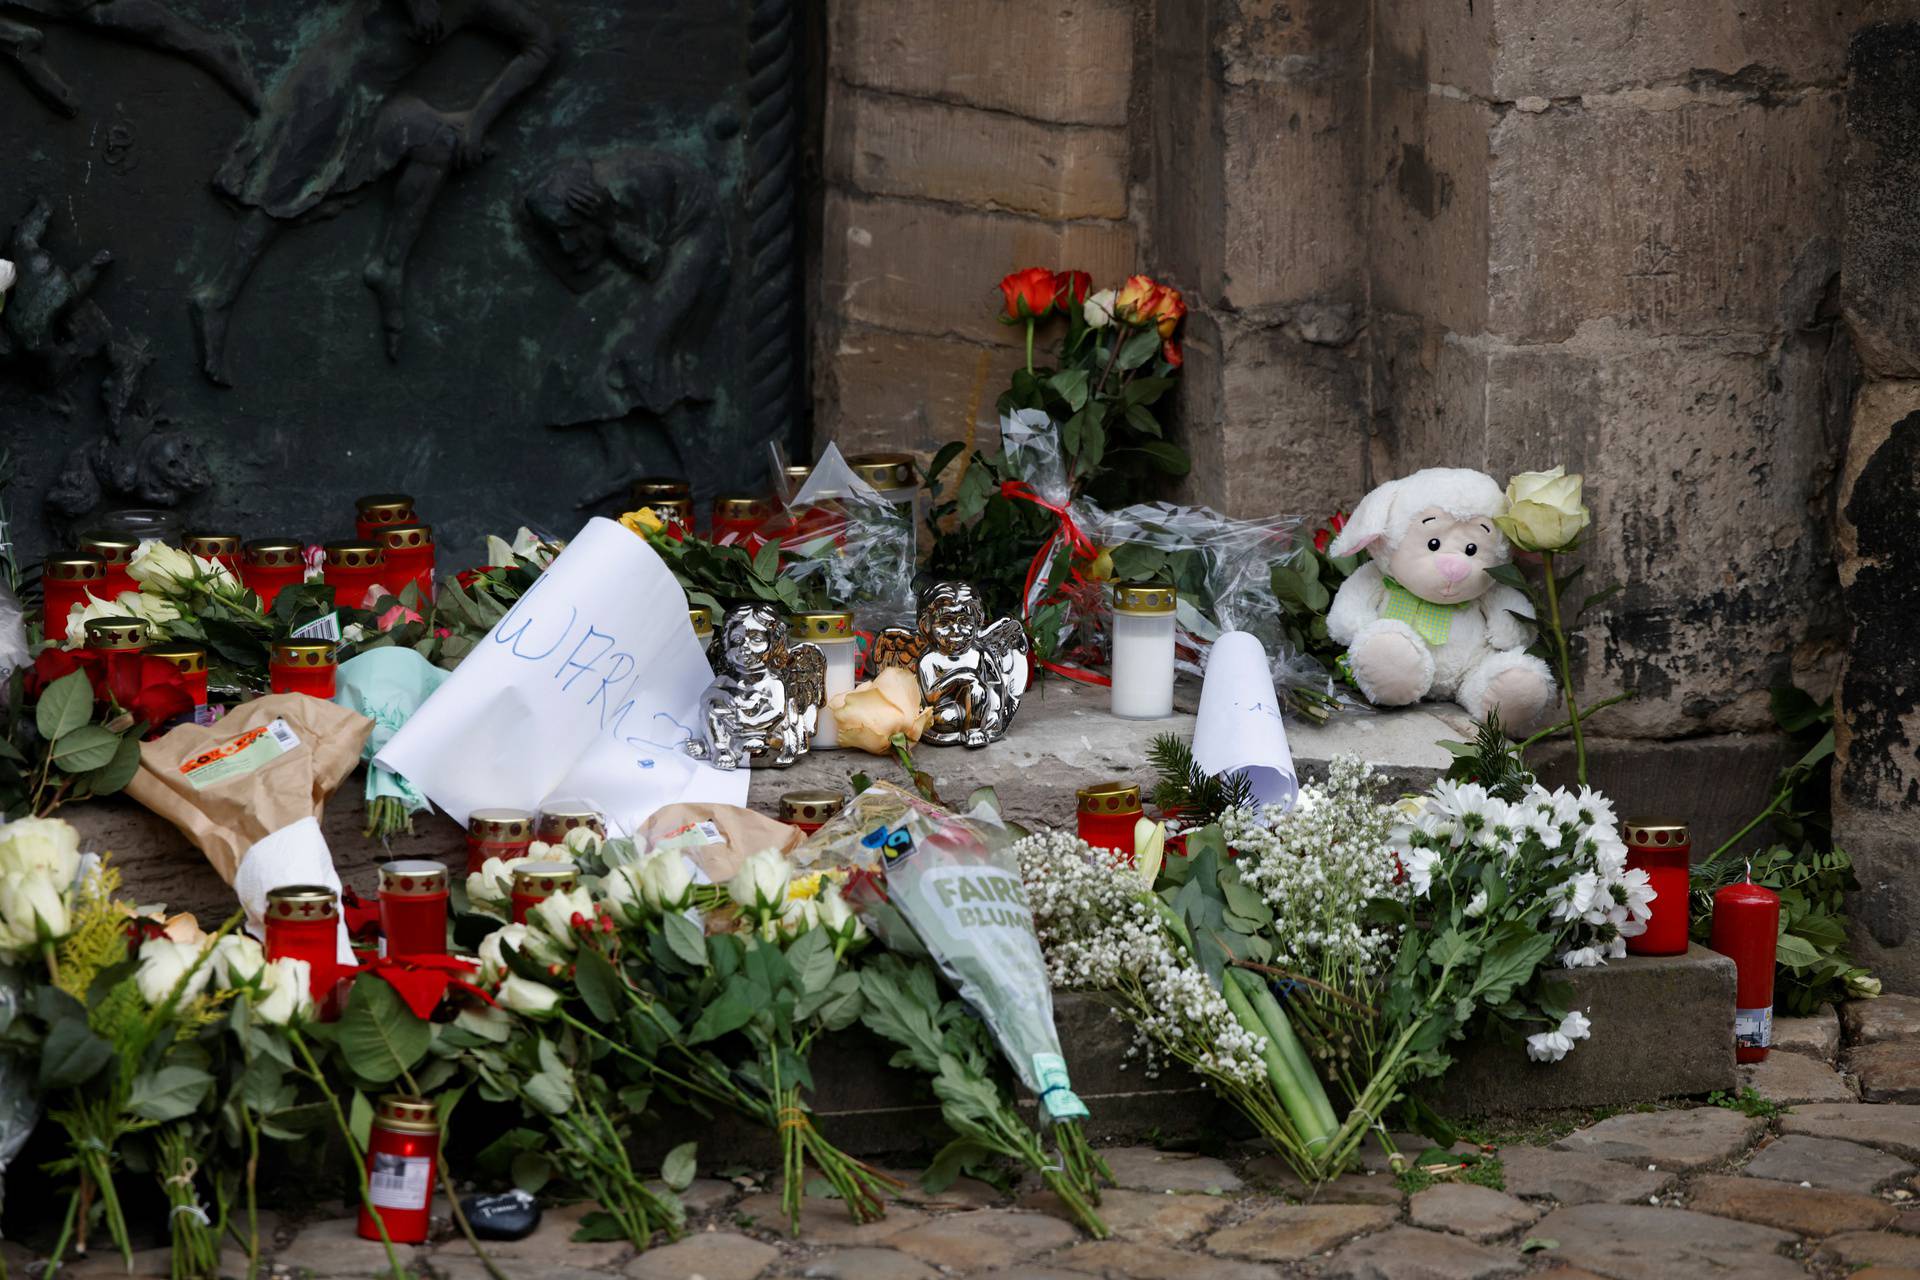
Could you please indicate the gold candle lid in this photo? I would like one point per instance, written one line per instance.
(822, 624)
(116, 635)
(500, 826)
(797, 474)
(303, 653)
(1143, 597)
(742, 506)
(648, 490)
(114, 548)
(405, 1113)
(189, 658)
(412, 878)
(75, 566)
(702, 619)
(545, 878)
(406, 537)
(270, 553)
(1110, 797)
(355, 555)
(208, 546)
(1657, 833)
(885, 471)
(810, 806)
(385, 508)
(557, 817)
(302, 902)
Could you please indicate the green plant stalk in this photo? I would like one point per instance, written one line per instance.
(1588, 714)
(1566, 668)
(1280, 1073)
(1279, 1032)
(195, 1254)
(353, 1148)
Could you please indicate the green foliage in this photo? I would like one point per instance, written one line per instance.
(1747, 1102)
(1304, 585)
(1436, 1165)
(1490, 760)
(1183, 787)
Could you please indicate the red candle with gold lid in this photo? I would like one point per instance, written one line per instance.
(269, 565)
(302, 666)
(535, 882)
(303, 923)
(117, 635)
(497, 833)
(669, 498)
(221, 548)
(69, 579)
(735, 515)
(413, 908)
(116, 552)
(409, 554)
(810, 810)
(378, 511)
(558, 817)
(1664, 850)
(190, 660)
(403, 1155)
(1107, 814)
(351, 569)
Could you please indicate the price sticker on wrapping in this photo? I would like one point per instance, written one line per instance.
(255, 749)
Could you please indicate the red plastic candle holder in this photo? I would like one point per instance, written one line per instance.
(409, 552)
(116, 552)
(535, 882)
(497, 833)
(352, 569)
(191, 661)
(221, 548)
(66, 581)
(737, 515)
(1107, 814)
(378, 512)
(269, 565)
(1664, 850)
(303, 923)
(810, 810)
(413, 908)
(558, 817)
(302, 666)
(1746, 929)
(403, 1155)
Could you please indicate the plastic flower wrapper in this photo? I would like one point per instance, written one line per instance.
(387, 685)
(842, 541)
(1065, 597)
(948, 887)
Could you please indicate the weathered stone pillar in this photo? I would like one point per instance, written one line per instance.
(1876, 792)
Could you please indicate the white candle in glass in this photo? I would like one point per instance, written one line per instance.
(832, 630)
(1143, 627)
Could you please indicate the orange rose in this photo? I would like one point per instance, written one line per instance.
(1029, 293)
(1169, 308)
(1170, 352)
(1135, 301)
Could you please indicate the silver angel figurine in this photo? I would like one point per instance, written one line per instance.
(971, 674)
(766, 693)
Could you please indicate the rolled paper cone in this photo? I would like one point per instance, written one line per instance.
(1239, 726)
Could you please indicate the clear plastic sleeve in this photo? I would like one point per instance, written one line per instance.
(845, 542)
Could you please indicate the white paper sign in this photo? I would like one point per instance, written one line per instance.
(1239, 725)
(587, 688)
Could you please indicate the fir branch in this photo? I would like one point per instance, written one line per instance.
(1183, 786)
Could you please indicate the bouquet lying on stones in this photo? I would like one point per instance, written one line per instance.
(1313, 965)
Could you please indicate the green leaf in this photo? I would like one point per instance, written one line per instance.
(64, 706)
(1794, 708)
(72, 1055)
(1509, 576)
(1795, 952)
(1508, 966)
(678, 1168)
(169, 1093)
(942, 458)
(1070, 385)
(1171, 459)
(598, 1225)
(86, 748)
(531, 1170)
(1138, 561)
(1139, 349)
(812, 960)
(118, 772)
(1146, 391)
(732, 1010)
(766, 561)
(379, 1036)
(599, 984)
(1141, 419)
(360, 1118)
(551, 1092)
(686, 939)
(1452, 948)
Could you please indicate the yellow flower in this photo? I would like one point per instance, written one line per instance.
(643, 521)
(805, 886)
(1102, 567)
(868, 715)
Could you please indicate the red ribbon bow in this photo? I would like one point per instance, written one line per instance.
(1081, 547)
(422, 981)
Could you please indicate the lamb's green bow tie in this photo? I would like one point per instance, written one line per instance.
(1433, 621)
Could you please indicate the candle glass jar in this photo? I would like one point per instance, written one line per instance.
(69, 580)
(190, 660)
(558, 817)
(1106, 816)
(535, 882)
(351, 569)
(408, 549)
(302, 666)
(303, 923)
(403, 1156)
(737, 515)
(1143, 627)
(1746, 929)
(497, 833)
(793, 478)
(221, 548)
(379, 511)
(116, 552)
(413, 908)
(810, 810)
(269, 565)
(1664, 850)
(833, 631)
(669, 498)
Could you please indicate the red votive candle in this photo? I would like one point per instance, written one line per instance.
(497, 833)
(1664, 850)
(221, 548)
(1107, 814)
(736, 515)
(1746, 929)
(351, 568)
(115, 551)
(191, 661)
(810, 810)
(535, 882)
(380, 511)
(268, 565)
(557, 817)
(302, 666)
(409, 552)
(413, 908)
(303, 923)
(68, 580)
(403, 1153)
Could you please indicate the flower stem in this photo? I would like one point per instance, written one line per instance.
(1566, 669)
(353, 1147)
(1029, 344)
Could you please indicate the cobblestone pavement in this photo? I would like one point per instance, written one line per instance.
(1828, 1187)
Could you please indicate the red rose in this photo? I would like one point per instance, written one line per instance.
(1321, 537)
(1029, 293)
(53, 664)
(151, 689)
(1074, 287)
(1171, 353)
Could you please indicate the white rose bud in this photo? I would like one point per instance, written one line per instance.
(162, 964)
(1149, 849)
(620, 889)
(238, 961)
(48, 845)
(285, 993)
(162, 568)
(493, 964)
(522, 995)
(1098, 309)
(665, 883)
(1544, 512)
(580, 840)
(801, 915)
(34, 907)
(553, 915)
(760, 886)
(839, 919)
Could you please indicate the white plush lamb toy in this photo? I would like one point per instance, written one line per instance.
(1423, 618)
